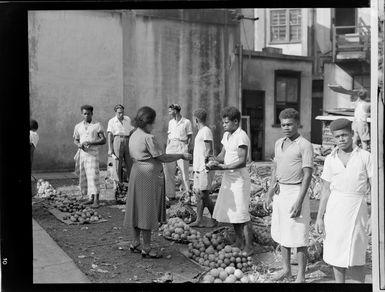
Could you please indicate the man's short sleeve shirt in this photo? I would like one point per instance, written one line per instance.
(88, 132)
(231, 143)
(116, 127)
(179, 129)
(297, 155)
(354, 178)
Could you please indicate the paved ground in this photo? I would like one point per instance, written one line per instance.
(50, 263)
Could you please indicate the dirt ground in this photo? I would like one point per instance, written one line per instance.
(101, 250)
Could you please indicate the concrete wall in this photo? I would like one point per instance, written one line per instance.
(258, 74)
(137, 58)
(75, 58)
(334, 74)
(170, 61)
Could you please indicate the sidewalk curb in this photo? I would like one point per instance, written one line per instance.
(50, 263)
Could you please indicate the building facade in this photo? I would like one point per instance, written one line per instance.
(323, 46)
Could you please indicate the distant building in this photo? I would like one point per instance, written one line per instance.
(297, 53)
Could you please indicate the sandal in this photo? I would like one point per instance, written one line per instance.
(148, 253)
(135, 248)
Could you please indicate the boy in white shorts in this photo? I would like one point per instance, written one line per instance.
(203, 147)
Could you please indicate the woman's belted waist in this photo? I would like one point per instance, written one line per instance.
(177, 139)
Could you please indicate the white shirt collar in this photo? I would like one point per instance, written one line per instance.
(335, 150)
(117, 120)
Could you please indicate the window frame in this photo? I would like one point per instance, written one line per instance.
(287, 27)
(291, 74)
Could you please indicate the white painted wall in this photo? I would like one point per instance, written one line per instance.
(333, 74)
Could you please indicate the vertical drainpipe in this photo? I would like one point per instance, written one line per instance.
(240, 76)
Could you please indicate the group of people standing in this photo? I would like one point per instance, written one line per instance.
(342, 214)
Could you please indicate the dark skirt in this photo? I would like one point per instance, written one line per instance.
(146, 201)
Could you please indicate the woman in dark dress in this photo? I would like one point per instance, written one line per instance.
(146, 201)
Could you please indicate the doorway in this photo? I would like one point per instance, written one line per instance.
(253, 105)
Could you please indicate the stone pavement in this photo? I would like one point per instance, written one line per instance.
(50, 263)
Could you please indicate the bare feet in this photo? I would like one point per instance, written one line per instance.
(213, 223)
(249, 251)
(299, 280)
(238, 244)
(281, 275)
(197, 223)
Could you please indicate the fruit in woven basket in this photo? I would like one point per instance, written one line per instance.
(178, 230)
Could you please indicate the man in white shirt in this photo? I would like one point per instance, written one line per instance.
(292, 170)
(119, 130)
(178, 142)
(88, 135)
(232, 205)
(203, 148)
(33, 137)
(346, 179)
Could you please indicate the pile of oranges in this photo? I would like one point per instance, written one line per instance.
(228, 275)
(177, 230)
(211, 251)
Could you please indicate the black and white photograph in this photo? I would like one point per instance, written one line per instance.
(201, 146)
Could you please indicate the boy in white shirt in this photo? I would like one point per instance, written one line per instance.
(343, 212)
(203, 147)
(232, 205)
(33, 137)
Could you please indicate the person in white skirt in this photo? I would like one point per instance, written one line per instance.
(232, 205)
(343, 212)
(293, 167)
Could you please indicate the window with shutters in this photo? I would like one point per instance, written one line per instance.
(285, 25)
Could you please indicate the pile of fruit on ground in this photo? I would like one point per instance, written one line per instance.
(212, 251)
(176, 229)
(228, 275)
(71, 209)
(86, 215)
(44, 189)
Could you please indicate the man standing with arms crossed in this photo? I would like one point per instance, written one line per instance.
(88, 135)
(178, 142)
(119, 130)
(346, 179)
(203, 148)
(293, 166)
